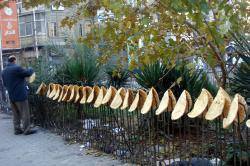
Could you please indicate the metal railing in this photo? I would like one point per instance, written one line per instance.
(145, 139)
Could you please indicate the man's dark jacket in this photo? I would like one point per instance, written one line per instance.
(14, 80)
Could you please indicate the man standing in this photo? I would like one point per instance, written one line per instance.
(14, 80)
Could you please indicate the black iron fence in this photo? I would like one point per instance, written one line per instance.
(145, 139)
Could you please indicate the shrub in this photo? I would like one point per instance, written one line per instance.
(117, 77)
(178, 78)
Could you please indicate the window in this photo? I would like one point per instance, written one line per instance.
(40, 23)
(87, 27)
(29, 28)
(84, 28)
(52, 29)
(11, 42)
(25, 25)
(80, 30)
(22, 29)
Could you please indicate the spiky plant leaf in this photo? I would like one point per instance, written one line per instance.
(240, 82)
(117, 77)
(81, 67)
(177, 78)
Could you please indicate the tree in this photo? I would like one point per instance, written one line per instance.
(3, 4)
(168, 29)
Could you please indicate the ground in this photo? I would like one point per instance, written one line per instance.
(43, 148)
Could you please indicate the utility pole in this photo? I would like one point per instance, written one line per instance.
(35, 32)
(1, 51)
(3, 97)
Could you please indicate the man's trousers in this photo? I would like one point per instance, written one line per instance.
(21, 113)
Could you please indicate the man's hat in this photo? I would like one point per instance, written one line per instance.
(11, 58)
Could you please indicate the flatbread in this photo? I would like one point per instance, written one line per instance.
(109, 95)
(57, 95)
(67, 93)
(129, 97)
(77, 95)
(32, 78)
(237, 111)
(41, 89)
(93, 95)
(227, 103)
(85, 92)
(50, 87)
(80, 93)
(54, 90)
(190, 102)
(102, 93)
(202, 104)
(156, 100)
(118, 99)
(151, 102)
(220, 106)
(173, 101)
(182, 106)
(64, 90)
(139, 100)
(248, 123)
(165, 104)
(71, 94)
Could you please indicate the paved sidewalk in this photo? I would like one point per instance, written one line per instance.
(42, 149)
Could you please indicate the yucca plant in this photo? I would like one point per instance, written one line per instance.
(153, 75)
(79, 68)
(192, 80)
(240, 82)
(177, 78)
(117, 77)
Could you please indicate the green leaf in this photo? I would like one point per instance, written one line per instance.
(211, 61)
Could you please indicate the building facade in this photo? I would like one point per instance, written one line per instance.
(41, 26)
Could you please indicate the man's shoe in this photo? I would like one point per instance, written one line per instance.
(30, 132)
(18, 132)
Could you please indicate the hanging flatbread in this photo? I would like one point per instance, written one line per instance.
(109, 95)
(151, 102)
(128, 99)
(93, 95)
(102, 93)
(67, 93)
(156, 100)
(173, 101)
(182, 106)
(31, 78)
(248, 123)
(227, 104)
(202, 104)
(220, 105)
(237, 111)
(80, 92)
(50, 87)
(77, 95)
(54, 90)
(139, 100)
(118, 99)
(57, 95)
(167, 103)
(41, 89)
(64, 90)
(71, 93)
(85, 94)
(74, 94)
